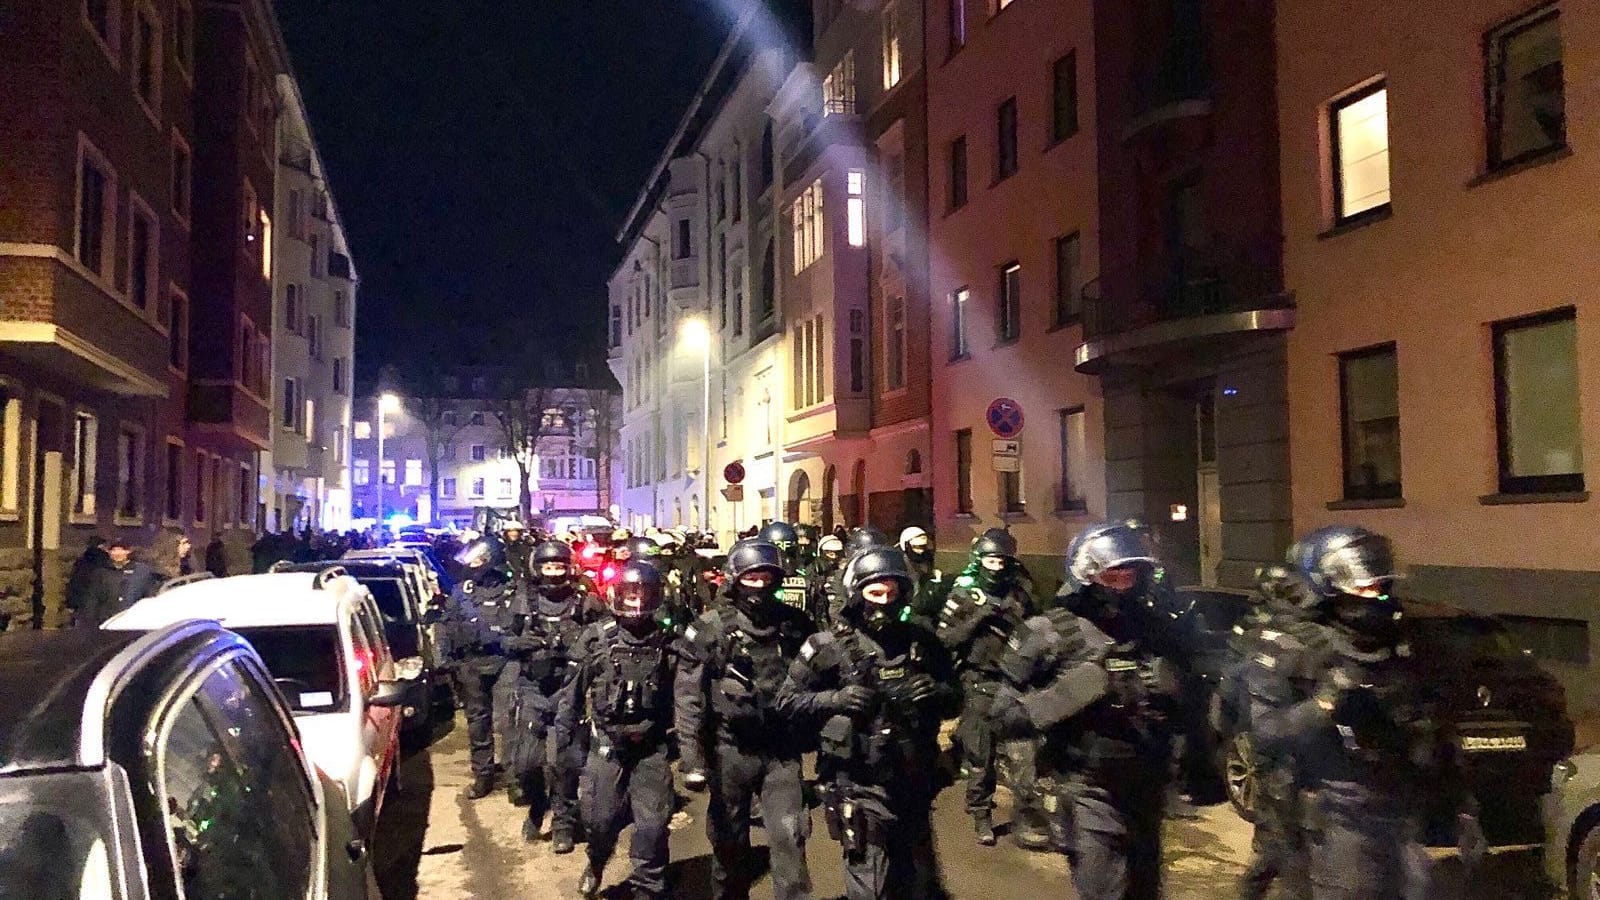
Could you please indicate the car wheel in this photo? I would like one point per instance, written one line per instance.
(1585, 879)
(1239, 768)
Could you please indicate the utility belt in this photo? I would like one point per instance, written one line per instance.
(627, 742)
(855, 822)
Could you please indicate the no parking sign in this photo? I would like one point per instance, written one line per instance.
(1005, 418)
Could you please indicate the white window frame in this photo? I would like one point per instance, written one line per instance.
(414, 477)
(361, 472)
(158, 52)
(138, 209)
(893, 46)
(103, 271)
(110, 44)
(134, 482)
(11, 434)
(85, 450)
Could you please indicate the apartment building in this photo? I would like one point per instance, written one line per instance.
(1013, 229)
(1439, 241)
(130, 255)
(313, 337)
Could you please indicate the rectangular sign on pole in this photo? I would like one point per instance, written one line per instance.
(1007, 455)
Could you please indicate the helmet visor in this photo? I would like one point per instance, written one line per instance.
(473, 555)
(632, 601)
(1362, 568)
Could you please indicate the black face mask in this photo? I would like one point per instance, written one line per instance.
(919, 554)
(1367, 616)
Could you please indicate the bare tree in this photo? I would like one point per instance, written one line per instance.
(520, 411)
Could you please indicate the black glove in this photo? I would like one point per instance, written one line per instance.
(915, 689)
(852, 700)
(1364, 722)
(1007, 716)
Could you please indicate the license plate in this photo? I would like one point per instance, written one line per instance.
(1498, 743)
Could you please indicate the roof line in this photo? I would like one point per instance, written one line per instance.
(736, 35)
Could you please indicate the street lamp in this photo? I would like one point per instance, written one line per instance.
(387, 403)
(695, 336)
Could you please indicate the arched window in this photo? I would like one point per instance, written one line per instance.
(914, 463)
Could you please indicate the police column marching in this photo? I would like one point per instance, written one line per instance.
(485, 609)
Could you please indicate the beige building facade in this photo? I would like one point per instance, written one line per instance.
(1439, 161)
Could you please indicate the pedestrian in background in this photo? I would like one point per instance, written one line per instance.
(92, 586)
(134, 579)
(217, 556)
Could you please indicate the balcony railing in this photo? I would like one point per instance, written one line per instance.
(1196, 283)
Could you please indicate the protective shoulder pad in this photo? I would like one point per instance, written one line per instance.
(819, 649)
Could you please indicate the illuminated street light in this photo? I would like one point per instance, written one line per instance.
(388, 402)
(694, 335)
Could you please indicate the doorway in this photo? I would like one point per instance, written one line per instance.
(45, 506)
(1208, 488)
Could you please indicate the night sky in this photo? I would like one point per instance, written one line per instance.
(483, 153)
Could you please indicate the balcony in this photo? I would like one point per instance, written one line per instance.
(1174, 83)
(1140, 315)
(685, 273)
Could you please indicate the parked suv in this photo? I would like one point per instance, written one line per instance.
(160, 764)
(397, 587)
(1507, 715)
(322, 639)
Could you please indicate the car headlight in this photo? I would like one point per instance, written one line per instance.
(1562, 773)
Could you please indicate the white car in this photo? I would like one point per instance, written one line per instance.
(1572, 825)
(321, 637)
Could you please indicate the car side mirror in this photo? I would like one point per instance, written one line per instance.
(389, 694)
(408, 669)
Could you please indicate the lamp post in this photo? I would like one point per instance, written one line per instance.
(387, 403)
(695, 335)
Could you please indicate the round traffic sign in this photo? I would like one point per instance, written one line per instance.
(1005, 417)
(733, 472)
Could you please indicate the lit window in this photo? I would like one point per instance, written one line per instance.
(477, 487)
(891, 45)
(447, 487)
(1074, 460)
(1009, 322)
(959, 349)
(1360, 130)
(413, 472)
(266, 245)
(387, 469)
(856, 208)
(85, 435)
(363, 430)
(508, 488)
(1537, 404)
(363, 472)
(839, 88)
(807, 222)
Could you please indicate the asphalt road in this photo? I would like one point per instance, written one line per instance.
(434, 844)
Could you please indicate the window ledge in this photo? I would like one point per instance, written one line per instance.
(10, 515)
(1362, 221)
(1002, 179)
(131, 522)
(965, 517)
(83, 519)
(1076, 511)
(1373, 503)
(1056, 142)
(1518, 499)
(1006, 342)
(1544, 158)
(965, 357)
(1021, 516)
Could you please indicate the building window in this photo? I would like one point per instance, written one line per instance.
(479, 453)
(413, 472)
(769, 281)
(1369, 406)
(806, 214)
(1068, 257)
(1360, 131)
(248, 220)
(1527, 104)
(146, 69)
(96, 209)
(894, 338)
(1008, 323)
(387, 470)
(856, 207)
(178, 331)
(1064, 97)
(1074, 460)
(130, 473)
(958, 172)
(1537, 403)
(477, 487)
(174, 471)
(339, 445)
(508, 488)
(183, 37)
(182, 177)
(85, 441)
(291, 308)
(894, 190)
(858, 351)
(839, 88)
(447, 487)
(1005, 153)
(11, 443)
(341, 309)
(144, 248)
(998, 5)
(314, 336)
(476, 419)
(362, 473)
(682, 242)
(1011, 499)
(767, 151)
(363, 430)
(291, 404)
(265, 230)
(957, 24)
(338, 375)
(737, 177)
(959, 302)
(616, 325)
(202, 487)
(891, 45)
(964, 472)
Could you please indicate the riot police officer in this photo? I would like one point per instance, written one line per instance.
(735, 659)
(558, 610)
(517, 548)
(805, 545)
(976, 620)
(1101, 674)
(856, 541)
(783, 536)
(930, 584)
(484, 610)
(822, 586)
(622, 688)
(879, 684)
(1347, 699)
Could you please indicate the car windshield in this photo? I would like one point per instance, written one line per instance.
(49, 849)
(305, 661)
(1467, 637)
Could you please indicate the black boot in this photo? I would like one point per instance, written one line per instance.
(530, 829)
(561, 839)
(482, 786)
(589, 885)
(983, 825)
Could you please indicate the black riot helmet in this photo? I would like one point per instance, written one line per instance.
(994, 542)
(868, 568)
(551, 552)
(805, 542)
(641, 549)
(484, 555)
(994, 560)
(635, 595)
(749, 557)
(781, 535)
(1351, 570)
(1107, 545)
(864, 537)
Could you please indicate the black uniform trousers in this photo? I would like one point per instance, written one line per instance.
(633, 779)
(1278, 851)
(737, 775)
(1362, 851)
(478, 676)
(1116, 821)
(898, 861)
(549, 775)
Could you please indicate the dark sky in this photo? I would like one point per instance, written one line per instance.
(483, 153)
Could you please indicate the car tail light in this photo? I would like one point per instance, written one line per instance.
(590, 551)
(608, 573)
